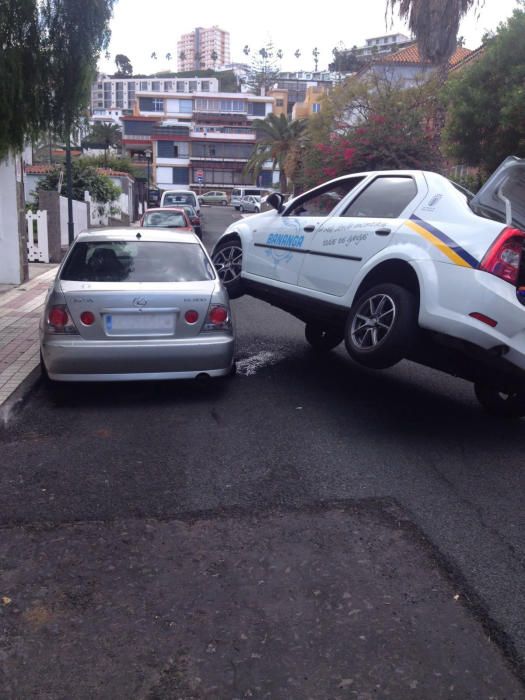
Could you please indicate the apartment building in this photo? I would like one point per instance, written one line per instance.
(204, 133)
(203, 48)
(111, 97)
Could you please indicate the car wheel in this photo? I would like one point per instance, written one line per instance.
(505, 404)
(241, 208)
(227, 259)
(224, 202)
(321, 339)
(257, 210)
(381, 326)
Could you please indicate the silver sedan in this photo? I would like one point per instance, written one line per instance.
(136, 304)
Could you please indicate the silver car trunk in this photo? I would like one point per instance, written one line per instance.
(503, 195)
(129, 310)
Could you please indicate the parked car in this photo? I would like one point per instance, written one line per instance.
(398, 264)
(194, 218)
(244, 190)
(167, 217)
(250, 203)
(214, 197)
(132, 304)
(174, 198)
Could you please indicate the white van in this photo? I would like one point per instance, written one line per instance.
(239, 192)
(173, 198)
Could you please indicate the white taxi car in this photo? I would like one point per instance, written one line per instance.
(398, 264)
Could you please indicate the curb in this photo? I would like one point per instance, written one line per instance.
(13, 404)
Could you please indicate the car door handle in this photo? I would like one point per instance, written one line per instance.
(383, 231)
(308, 228)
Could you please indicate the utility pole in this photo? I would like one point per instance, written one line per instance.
(69, 178)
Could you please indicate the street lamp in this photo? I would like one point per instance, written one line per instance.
(148, 155)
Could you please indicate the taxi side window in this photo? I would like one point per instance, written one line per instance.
(323, 199)
(384, 198)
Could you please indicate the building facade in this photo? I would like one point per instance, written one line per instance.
(113, 97)
(203, 48)
(201, 140)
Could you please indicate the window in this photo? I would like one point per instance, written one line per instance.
(385, 197)
(143, 84)
(158, 105)
(192, 86)
(168, 219)
(168, 85)
(137, 261)
(185, 106)
(180, 86)
(205, 86)
(316, 107)
(324, 199)
(155, 85)
(279, 103)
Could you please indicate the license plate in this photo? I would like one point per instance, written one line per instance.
(125, 324)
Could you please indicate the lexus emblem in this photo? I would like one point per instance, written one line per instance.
(139, 301)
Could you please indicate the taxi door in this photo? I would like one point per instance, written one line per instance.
(360, 228)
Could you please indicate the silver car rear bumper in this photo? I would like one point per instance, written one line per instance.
(78, 360)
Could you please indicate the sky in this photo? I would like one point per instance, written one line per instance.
(140, 28)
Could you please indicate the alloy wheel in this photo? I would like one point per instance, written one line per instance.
(228, 263)
(373, 321)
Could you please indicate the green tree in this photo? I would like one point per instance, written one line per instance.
(486, 101)
(279, 140)
(123, 64)
(105, 135)
(369, 126)
(84, 177)
(214, 58)
(21, 85)
(182, 57)
(264, 68)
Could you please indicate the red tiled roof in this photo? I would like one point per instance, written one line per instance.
(471, 58)
(410, 54)
(42, 169)
(38, 169)
(114, 173)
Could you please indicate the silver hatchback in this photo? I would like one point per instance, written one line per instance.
(134, 304)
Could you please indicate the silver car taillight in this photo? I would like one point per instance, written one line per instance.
(58, 320)
(218, 319)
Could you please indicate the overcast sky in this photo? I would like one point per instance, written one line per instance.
(140, 27)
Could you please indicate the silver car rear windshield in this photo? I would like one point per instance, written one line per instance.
(137, 261)
(167, 219)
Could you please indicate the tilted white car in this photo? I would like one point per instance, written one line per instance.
(398, 264)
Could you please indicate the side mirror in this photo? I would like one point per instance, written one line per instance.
(276, 200)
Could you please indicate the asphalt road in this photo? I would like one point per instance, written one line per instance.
(291, 430)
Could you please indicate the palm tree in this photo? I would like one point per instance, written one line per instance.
(154, 56)
(182, 58)
(297, 53)
(246, 50)
(168, 57)
(214, 57)
(279, 139)
(315, 54)
(105, 134)
(435, 25)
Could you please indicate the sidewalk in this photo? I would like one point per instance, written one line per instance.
(20, 309)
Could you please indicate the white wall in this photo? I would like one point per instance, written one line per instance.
(80, 219)
(10, 268)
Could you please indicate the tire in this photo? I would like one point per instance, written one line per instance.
(58, 392)
(227, 259)
(500, 403)
(241, 208)
(381, 326)
(320, 339)
(224, 202)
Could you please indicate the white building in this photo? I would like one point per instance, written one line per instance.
(199, 47)
(112, 97)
